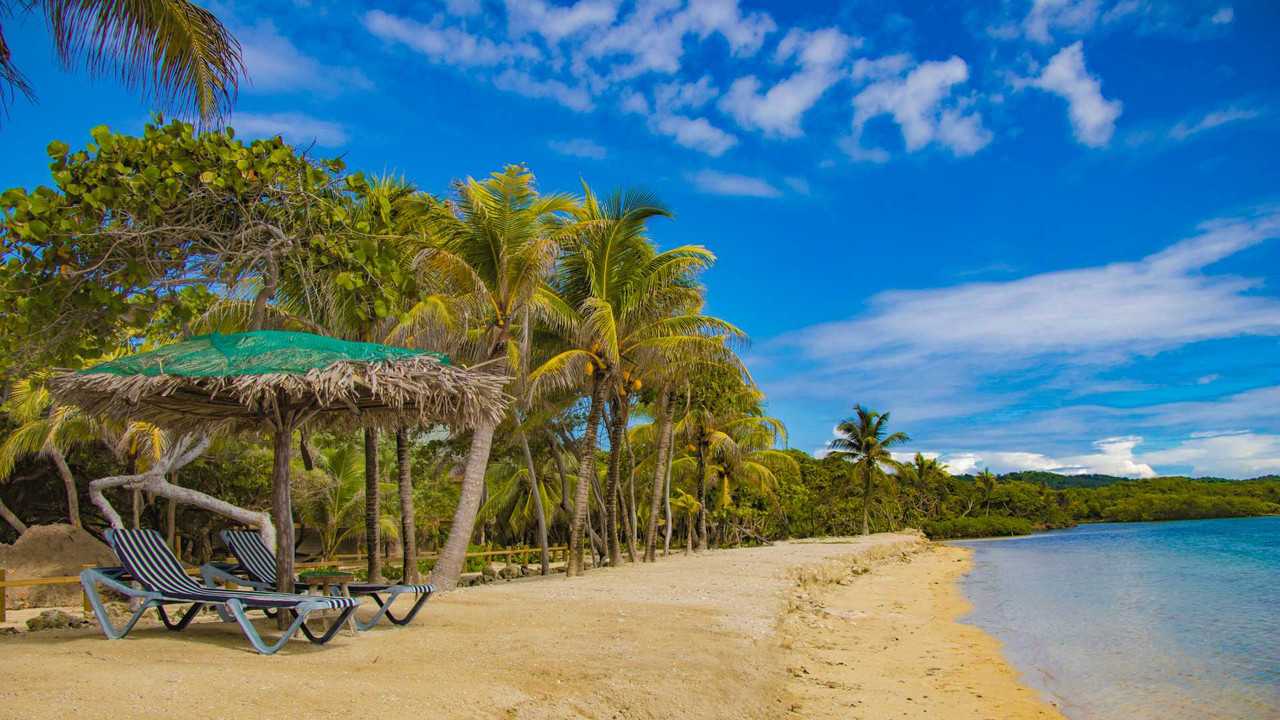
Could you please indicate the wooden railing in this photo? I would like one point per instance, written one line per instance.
(346, 561)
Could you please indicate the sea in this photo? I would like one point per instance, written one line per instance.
(1129, 621)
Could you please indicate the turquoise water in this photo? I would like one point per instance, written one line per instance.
(1127, 621)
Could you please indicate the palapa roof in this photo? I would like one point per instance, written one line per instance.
(243, 380)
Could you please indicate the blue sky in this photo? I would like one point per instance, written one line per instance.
(1043, 233)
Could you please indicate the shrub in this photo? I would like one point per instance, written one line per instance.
(973, 527)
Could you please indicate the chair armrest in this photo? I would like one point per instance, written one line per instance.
(115, 578)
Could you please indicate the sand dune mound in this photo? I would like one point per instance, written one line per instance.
(46, 551)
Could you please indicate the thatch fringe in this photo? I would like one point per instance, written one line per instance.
(415, 390)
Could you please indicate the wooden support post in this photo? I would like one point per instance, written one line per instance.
(85, 607)
(2, 594)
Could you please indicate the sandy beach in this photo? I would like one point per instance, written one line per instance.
(862, 628)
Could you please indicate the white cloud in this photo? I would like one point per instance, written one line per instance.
(1113, 456)
(918, 104)
(523, 83)
(778, 111)
(719, 183)
(1159, 302)
(1233, 455)
(1093, 117)
(445, 43)
(297, 128)
(579, 147)
(1217, 118)
(694, 133)
(1073, 16)
(1206, 379)
(1019, 350)
(1224, 16)
(556, 22)
(673, 96)
(651, 38)
(274, 64)
(880, 68)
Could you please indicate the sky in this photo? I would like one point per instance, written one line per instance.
(1042, 234)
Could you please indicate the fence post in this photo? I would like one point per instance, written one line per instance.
(86, 608)
(2, 594)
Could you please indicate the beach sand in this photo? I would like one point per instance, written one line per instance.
(795, 630)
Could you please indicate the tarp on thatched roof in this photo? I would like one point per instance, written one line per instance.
(241, 381)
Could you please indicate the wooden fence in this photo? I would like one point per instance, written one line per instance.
(348, 561)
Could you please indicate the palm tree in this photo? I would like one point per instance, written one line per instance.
(50, 430)
(493, 248)
(332, 498)
(688, 506)
(861, 441)
(986, 481)
(626, 308)
(174, 51)
(926, 478)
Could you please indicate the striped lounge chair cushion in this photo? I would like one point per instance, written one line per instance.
(145, 555)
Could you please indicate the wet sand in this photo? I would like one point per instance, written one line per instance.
(793, 630)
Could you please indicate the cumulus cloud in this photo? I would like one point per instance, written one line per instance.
(920, 103)
(1112, 456)
(297, 128)
(694, 133)
(1093, 117)
(778, 110)
(651, 38)
(274, 64)
(665, 116)
(720, 183)
(1232, 454)
(1223, 16)
(579, 147)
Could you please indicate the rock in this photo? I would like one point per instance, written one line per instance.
(50, 551)
(53, 620)
(511, 571)
(491, 570)
(469, 579)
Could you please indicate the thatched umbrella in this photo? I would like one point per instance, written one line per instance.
(276, 381)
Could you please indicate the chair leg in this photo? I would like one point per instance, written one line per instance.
(384, 608)
(184, 621)
(250, 632)
(100, 611)
(333, 629)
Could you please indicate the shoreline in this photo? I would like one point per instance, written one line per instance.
(890, 632)
(849, 628)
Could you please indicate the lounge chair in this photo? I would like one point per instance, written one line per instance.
(149, 562)
(257, 569)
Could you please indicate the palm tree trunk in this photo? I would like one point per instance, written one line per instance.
(633, 519)
(69, 484)
(372, 508)
(611, 494)
(866, 501)
(408, 524)
(454, 554)
(586, 469)
(7, 515)
(304, 449)
(702, 497)
(565, 503)
(659, 472)
(666, 491)
(536, 489)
